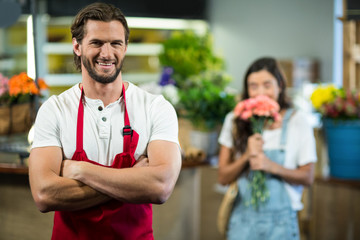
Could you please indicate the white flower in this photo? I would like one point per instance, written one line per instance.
(170, 92)
(151, 87)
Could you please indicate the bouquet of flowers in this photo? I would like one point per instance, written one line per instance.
(261, 111)
(333, 102)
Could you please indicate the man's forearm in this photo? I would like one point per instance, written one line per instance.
(64, 194)
(152, 183)
(135, 185)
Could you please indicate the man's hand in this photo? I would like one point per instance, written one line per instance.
(143, 161)
(69, 168)
(53, 184)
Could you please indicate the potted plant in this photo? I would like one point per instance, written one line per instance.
(340, 111)
(205, 102)
(198, 74)
(16, 102)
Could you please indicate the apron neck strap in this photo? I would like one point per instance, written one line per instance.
(126, 116)
(127, 130)
(80, 123)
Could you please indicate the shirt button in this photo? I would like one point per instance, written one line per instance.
(100, 108)
(104, 119)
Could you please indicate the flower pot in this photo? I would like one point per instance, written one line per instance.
(343, 142)
(16, 118)
(5, 122)
(206, 141)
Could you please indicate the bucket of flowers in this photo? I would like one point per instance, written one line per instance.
(340, 112)
(17, 96)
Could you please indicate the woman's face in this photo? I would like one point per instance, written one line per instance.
(263, 83)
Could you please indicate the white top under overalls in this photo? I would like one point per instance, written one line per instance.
(300, 148)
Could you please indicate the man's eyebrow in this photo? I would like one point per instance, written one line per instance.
(99, 40)
(118, 41)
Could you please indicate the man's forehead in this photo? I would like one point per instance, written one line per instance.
(96, 28)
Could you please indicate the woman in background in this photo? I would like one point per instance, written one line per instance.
(285, 152)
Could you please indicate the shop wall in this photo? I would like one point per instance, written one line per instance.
(244, 30)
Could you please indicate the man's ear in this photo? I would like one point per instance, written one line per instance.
(76, 47)
(126, 46)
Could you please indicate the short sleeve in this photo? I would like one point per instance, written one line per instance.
(164, 122)
(307, 153)
(46, 128)
(301, 147)
(225, 137)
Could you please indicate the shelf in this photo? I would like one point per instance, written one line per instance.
(72, 79)
(142, 64)
(134, 49)
(200, 26)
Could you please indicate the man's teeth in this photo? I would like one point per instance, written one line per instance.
(105, 64)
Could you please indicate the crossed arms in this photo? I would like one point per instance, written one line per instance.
(67, 185)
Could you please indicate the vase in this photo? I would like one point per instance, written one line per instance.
(206, 141)
(343, 142)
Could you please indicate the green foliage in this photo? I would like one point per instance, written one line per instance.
(7, 100)
(189, 54)
(204, 100)
(199, 78)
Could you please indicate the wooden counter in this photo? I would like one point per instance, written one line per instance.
(335, 209)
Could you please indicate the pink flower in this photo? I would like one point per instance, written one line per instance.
(258, 106)
(4, 83)
(258, 110)
(239, 108)
(246, 115)
(277, 117)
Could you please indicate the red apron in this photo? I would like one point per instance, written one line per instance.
(111, 220)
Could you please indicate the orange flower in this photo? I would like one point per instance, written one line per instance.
(33, 88)
(23, 84)
(42, 84)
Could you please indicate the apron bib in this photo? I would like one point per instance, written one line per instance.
(113, 219)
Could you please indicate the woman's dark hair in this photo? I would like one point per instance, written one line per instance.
(100, 12)
(242, 129)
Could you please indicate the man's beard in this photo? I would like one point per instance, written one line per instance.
(98, 78)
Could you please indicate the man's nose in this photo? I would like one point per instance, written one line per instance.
(105, 50)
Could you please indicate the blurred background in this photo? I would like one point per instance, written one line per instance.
(316, 42)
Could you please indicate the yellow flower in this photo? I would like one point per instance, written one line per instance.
(323, 95)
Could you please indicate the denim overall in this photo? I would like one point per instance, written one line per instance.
(274, 219)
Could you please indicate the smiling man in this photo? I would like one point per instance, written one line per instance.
(104, 150)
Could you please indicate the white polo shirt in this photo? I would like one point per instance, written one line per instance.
(151, 116)
(300, 147)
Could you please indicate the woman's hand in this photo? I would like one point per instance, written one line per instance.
(261, 162)
(254, 145)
